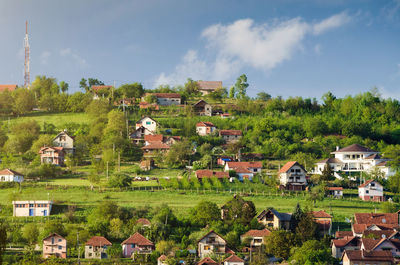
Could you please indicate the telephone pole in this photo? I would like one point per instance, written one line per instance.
(27, 81)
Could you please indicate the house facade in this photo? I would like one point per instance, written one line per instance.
(233, 260)
(205, 128)
(362, 257)
(52, 155)
(32, 208)
(166, 99)
(230, 136)
(101, 91)
(202, 108)
(65, 141)
(348, 243)
(9, 175)
(145, 126)
(54, 246)
(371, 190)
(355, 159)
(211, 243)
(9, 88)
(206, 173)
(324, 221)
(292, 176)
(136, 244)
(206, 87)
(256, 237)
(271, 218)
(335, 192)
(96, 248)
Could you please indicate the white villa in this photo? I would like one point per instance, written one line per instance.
(9, 175)
(371, 190)
(355, 158)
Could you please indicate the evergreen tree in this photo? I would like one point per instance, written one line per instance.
(296, 217)
(307, 228)
(326, 173)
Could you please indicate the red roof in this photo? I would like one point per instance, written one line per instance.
(362, 255)
(343, 242)
(143, 221)
(207, 261)
(205, 173)
(288, 166)
(341, 234)
(376, 218)
(257, 233)
(8, 171)
(97, 88)
(154, 138)
(57, 149)
(164, 95)
(321, 214)
(212, 231)
(8, 87)
(137, 239)
(241, 170)
(204, 124)
(209, 85)
(355, 148)
(250, 164)
(155, 146)
(323, 225)
(98, 241)
(335, 188)
(233, 258)
(230, 132)
(366, 183)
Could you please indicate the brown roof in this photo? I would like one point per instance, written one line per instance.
(341, 234)
(288, 166)
(8, 171)
(379, 233)
(335, 188)
(205, 173)
(98, 241)
(376, 218)
(233, 258)
(209, 85)
(241, 170)
(212, 231)
(321, 214)
(53, 234)
(362, 255)
(230, 132)
(8, 87)
(343, 242)
(154, 138)
(257, 233)
(204, 124)
(97, 88)
(382, 164)
(165, 95)
(355, 148)
(249, 164)
(56, 149)
(143, 221)
(155, 146)
(207, 261)
(366, 183)
(330, 160)
(137, 239)
(369, 243)
(323, 225)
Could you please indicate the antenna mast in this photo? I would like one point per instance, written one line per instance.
(27, 81)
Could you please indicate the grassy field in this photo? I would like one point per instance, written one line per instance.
(58, 119)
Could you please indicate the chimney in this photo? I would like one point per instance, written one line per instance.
(337, 148)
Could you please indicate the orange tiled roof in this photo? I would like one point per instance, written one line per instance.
(137, 239)
(98, 241)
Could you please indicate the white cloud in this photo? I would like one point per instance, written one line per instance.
(44, 56)
(245, 43)
(67, 52)
(391, 10)
(332, 22)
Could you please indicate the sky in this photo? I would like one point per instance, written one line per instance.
(286, 48)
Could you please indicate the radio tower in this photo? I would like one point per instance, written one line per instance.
(26, 64)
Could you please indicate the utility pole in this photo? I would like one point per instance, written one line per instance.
(27, 81)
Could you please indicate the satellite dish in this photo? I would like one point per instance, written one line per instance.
(384, 221)
(383, 236)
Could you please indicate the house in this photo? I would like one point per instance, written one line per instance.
(204, 128)
(96, 248)
(335, 192)
(371, 190)
(65, 141)
(136, 244)
(145, 105)
(324, 221)
(100, 91)
(162, 260)
(256, 237)
(206, 87)
(376, 218)
(363, 257)
(146, 164)
(165, 99)
(211, 243)
(168, 140)
(205, 173)
(9, 175)
(145, 126)
(125, 102)
(52, 155)
(371, 244)
(254, 167)
(230, 136)
(355, 159)
(54, 245)
(153, 148)
(271, 218)
(233, 260)
(202, 108)
(223, 159)
(32, 208)
(292, 176)
(9, 88)
(143, 222)
(348, 243)
(207, 261)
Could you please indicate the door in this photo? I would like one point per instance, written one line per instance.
(31, 212)
(44, 212)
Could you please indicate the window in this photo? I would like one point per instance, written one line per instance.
(59, 247)
(31, 205)
(148, 122)
(59, 240)
(206, 247)
(367, 191)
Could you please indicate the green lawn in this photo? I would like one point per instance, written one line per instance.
(58, 119)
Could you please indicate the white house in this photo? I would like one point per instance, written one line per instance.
(8, 175)
(336, 192)
(256, 237)
(166, 99)
(32, 208)
(230, 136)
(254, 167)
(64, 140)
(145, 126)
(371, 190)
(233, 260)
(354, 159)
(204, 128)
(292, 176)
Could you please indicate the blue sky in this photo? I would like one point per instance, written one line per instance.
(286, 48)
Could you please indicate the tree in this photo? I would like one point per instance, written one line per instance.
(31, 233)
(238, 210)
(3, 240)
(389, 207)
(279, 243)
(131, 90)
(165, 246)
(98, 109)
(312, 252)
(64, 86)
(241, 86)
(119, 181)
(327, 173)
(24, 101)
(178, 154)
(393, 152)
(204, 213)
(296, 217)
(191, 87)
(83, 85)
(232, 92)
(307, 228)
(317, 193)
(394, 182)
(264, 96)
(93, 178)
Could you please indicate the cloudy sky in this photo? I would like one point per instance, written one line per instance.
(287, 47)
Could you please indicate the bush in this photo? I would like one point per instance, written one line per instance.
(119, 181)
